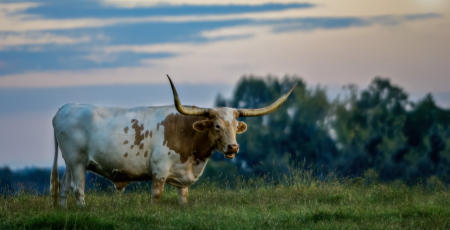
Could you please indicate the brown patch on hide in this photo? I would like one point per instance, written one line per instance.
(180, 137)
(151, 133)
(141, 146)
(146, 133)
(121, 185)
(137, 154)
(125, 130)
(131, 146)
(125, 155)
(146, 153)
(168, 153)
(138, 135)
(125, 142)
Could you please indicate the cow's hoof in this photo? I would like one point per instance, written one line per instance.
(62, 204)
(182, 203)
(81, 204)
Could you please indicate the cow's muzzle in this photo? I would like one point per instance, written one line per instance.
(231, 151)
(230, 155)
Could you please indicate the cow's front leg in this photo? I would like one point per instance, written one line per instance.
(182, 195)
(157, 188)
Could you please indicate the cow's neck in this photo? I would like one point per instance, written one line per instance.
(180, 137)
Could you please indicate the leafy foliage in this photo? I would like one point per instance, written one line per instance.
(377, 128)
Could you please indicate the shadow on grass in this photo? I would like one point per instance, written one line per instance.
(328, 216)
(59, 221)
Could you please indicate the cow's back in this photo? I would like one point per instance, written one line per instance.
(71, 125)
(114, 142)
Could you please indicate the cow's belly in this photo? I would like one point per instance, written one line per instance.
(120, 160)
(185, 174)
(118, 171)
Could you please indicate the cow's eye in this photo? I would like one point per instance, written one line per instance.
(218, 127)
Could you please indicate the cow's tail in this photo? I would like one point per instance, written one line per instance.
(54, 178)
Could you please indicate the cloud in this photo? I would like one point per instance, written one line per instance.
(262, 28)
(144, 3)
(75, 57)
(312, 23)
(412, 17)
(16, 17)
(67, 78)
(133, 46)
(83, 9)
(24, 22)
(10, 8)
(37, 38)
(46, 47)
(15, 20)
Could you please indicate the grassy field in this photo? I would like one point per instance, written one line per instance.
(295, 204)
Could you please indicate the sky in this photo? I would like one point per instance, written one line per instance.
(117, 53)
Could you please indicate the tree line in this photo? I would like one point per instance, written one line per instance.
(376, 130)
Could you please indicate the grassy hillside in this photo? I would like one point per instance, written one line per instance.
(297, 203)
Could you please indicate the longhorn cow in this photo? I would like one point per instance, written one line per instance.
(167, 144)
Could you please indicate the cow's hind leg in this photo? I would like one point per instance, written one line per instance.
(78, 182)
(182, 195)
(64, 189)
(157, 188)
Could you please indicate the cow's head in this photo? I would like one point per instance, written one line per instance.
(221, 123)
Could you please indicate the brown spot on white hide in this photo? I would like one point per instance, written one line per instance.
(125, 130)
(146, 153)
(125, 142)
(138, 135)
(125, 155)
(180, 137)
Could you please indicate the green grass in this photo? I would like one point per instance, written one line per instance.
(297, 204)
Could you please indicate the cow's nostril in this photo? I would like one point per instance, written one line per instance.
(233, 147)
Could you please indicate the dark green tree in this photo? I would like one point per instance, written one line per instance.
(295, 134)
(368, 127)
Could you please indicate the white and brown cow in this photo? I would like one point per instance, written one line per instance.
(167, 144)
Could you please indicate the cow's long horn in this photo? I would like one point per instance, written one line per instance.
(193, 111)
(268, 109)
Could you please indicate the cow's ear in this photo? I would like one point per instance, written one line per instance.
(203, 125)
(241, 128)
